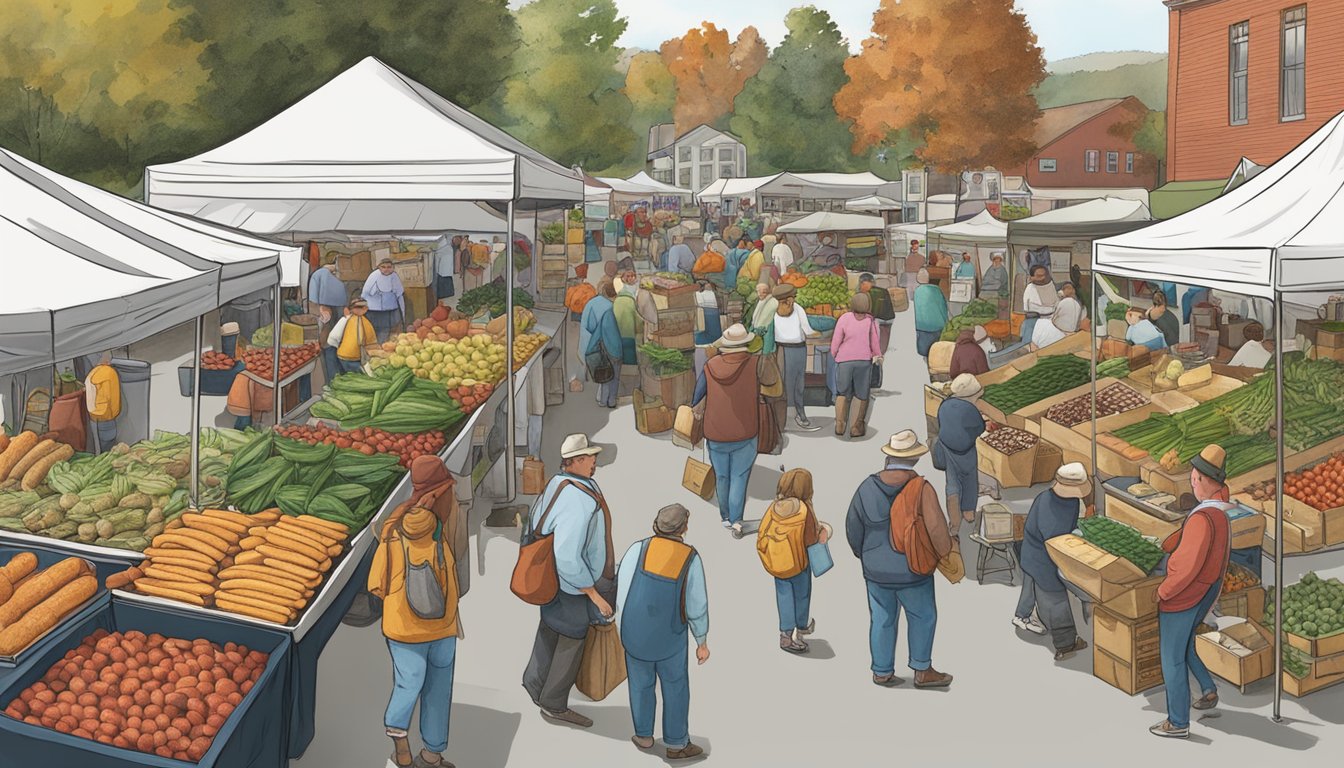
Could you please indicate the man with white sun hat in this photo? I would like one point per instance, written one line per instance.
(1054, 513)
(960, 422)
(893, 584)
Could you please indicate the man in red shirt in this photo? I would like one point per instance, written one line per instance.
(1196, 563)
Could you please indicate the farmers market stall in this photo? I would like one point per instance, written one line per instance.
(1274, 237)
(858, 238)
(979, 236)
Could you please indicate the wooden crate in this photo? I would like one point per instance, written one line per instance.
(681, 297)
(1296, 539)
(1323, 674)
(1128, 640)
(1076, 441)
(1095, 571)
(415, 273)
(1247, 603)
(1132, 678)
(1238, 670)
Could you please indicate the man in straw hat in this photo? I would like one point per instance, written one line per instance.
(662, 581)
(730, 388)
(892, 584)
(572, 510)
(959, 424)
(1196, 564)
(1054, 513)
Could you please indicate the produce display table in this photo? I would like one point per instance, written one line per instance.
(253, 736)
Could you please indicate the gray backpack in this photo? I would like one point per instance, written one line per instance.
(424, 594)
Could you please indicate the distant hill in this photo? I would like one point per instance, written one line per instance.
(1085, 78)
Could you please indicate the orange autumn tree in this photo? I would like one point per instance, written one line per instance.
(957, 75)
(710, 71)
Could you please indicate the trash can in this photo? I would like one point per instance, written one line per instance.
(133, 423)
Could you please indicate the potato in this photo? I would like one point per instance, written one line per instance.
(145, 743)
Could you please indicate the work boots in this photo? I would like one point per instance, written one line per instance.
(841, 415)
(860, 427)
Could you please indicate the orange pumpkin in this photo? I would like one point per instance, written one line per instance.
(457, 328)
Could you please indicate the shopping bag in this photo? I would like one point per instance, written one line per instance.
(875, 378)
(767, 434)
(953, 567)
(602, 668)
(698, 478)
(689, 428)
(819, 558)
(598, 362)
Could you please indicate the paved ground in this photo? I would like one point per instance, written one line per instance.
(755, 705)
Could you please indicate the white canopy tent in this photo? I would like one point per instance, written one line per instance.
(872, 204)
(300, 218)
(805, 186)
(86, 270)
(983, 230)
(1276, 236)
(828, 221)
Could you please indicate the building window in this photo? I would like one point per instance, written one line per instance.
(684, 154)
(1129, 162)
(726, 154)
(1092, 161)
(706, 174)
(1238, 55)
(1046, 164)
(684, 178)
(1293, 70)
(726, 171)
(706, 154)
(1112, 162)
(915, 184)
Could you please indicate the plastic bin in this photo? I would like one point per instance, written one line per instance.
(255, 735)
(212, 382)
(47, 557)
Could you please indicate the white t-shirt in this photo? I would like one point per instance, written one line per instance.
(1068, 314)
(1040, 299)
(782, 256)
(793, 329)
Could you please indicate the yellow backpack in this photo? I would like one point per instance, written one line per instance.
(779, 542)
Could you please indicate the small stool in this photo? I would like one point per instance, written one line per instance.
(990, 551)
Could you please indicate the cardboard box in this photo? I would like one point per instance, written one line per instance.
(1175, 483)
(1326, 525)
(1320, 647)
(1323, 674)
(1240, 669)
(674, 322)
(1173, 401)
(1049, 458)
(574, 236)
(900, 301)
(1138, 518)
(1247, 603)
(1128, 677)
(1139, 602)
(934, 395)
(674, 391)
(651, 415)
(681, 297)
(682, 341)
(1114, 348)
(1114, 461)
(1217, 387)
(415, 273)
(1128, 640)
(1116, 329)
(996, 523)
(1100, 574)
(1296, 539)
(553, 249)
(1034, 414)
(1011, 470)
(1232, 333)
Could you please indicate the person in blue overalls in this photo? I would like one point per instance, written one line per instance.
(662, 581)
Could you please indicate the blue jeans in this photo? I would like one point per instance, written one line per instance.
(348, 366)
(107, 434)
(671, 672)
(422, 672)
(1179, 660)
(884, 609)
(794, 600)
(732, 464)
(607, 393)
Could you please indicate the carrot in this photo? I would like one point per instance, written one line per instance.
(171, 594)
(18, 567)
(325, 526)
(155, 551)
(300, 532)
(192, 519)
(299, 571)
(168, 572)
(256, 608)
(251, 542)
(37, 474)
(224, 514)
(192, 587)
(120, 580)
(297, 605)
(271, 551)
(267, 574)
(280, 539)
(209, 525)
(248, 558)
(182, 562)
(181, 539)
(18, 448)
(30, 458)
(261, 586)
(40, 587)
(19, 635)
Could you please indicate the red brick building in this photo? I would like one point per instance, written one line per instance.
(1080, 147)
(1249, 78)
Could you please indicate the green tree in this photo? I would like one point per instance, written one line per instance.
(565, 95)
(651, 89)
(785, 113)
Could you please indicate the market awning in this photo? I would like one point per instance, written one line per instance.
(86, 270)
(1177, 197)
(828, 221)
(872, 203)
(1086, 221)
(984, 229)
(1280, 231)
(1080, 194)
(302, 217)
(394, 140)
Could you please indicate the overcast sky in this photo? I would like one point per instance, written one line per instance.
(1065, 27)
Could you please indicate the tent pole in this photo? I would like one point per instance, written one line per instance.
(275, 354)
(1092, 349)
(1278, 501)
(510, 404)
(196, 413)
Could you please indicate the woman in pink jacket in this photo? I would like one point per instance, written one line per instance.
(855, 348)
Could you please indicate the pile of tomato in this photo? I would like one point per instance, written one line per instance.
(217, 361)
(291, 359)
(1321, 487)
(369, 441)
(469, 398)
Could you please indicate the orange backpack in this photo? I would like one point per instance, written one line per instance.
(909, 536)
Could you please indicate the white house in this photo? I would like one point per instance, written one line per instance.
(695, 159)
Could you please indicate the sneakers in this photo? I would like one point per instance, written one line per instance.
(685, 753)
(727, 524)
(788, 644)
(1066, 653)
(1207, 701)
(569, 716)
(1168, 731)
(804, 424)
(736, 529)
(809, 629)
(1029, 624)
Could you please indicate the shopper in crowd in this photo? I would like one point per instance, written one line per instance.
(959, 424)
(680, 257)
(327, 296)
(1197, 558)
(475, 257)
(965, 268)
(734, 261)
(914, 262)
(717, 245)
(1068, 318)
(892, 585)
(102, 397)
(1054, 513)
(353, 336)
(1142, 332)
(445, 268)
(782, 255)
(1166, 321)
(1257, 351)
(994, 284)
(645, 307)
(856, 348)
(572, 511)
(789, 527)
(730, 389)
(415, 574)
(661, 600)
(968, 356)
(879, 298)
(386, 298)
(763, 318)
(628, 322)
(1038, 300)
(930, 314)
(754, 263)
(599, 334)
(791, 333)
(609, 272)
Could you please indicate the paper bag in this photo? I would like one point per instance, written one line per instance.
(689, 428)
(953, 567)
(602, 668)
(698, 478)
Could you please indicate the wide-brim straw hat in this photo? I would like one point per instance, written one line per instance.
(905, 445)
(736, 336)
(1211, 462)
(577, 445)
(1072, 482)
(966, 387)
